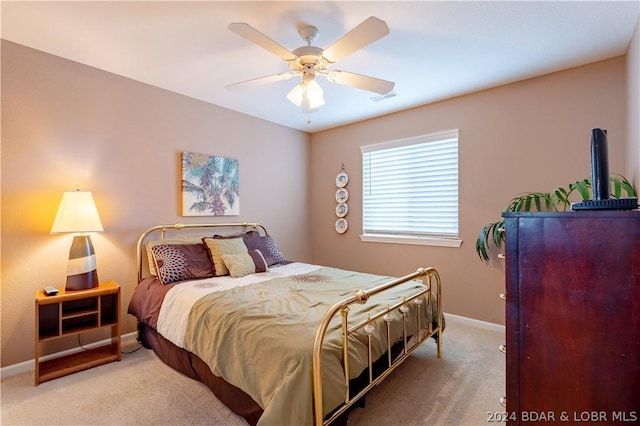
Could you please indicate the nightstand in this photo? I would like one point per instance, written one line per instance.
(73, 313)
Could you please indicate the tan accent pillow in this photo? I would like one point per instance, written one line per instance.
(239, 265)
(221, 246)
(246, 263)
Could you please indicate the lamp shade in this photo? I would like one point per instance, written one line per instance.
(77, 213)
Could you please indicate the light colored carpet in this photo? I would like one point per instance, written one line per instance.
(459, 389)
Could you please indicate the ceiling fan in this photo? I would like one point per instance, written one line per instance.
(310, 61)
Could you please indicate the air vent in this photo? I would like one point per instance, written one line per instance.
(389, 95)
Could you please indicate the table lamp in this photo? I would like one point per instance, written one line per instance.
(77, 213)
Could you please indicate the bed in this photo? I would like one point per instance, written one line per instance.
(277, 341)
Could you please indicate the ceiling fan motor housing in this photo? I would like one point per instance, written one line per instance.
(308, 71)
(308, 54)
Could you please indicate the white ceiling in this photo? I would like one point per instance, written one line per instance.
(435, 50)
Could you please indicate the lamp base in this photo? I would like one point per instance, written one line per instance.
(81, 269)
(82, 282)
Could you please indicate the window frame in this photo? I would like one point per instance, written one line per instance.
(416, 239)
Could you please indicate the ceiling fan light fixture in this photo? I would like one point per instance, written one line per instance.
(314, 94)
(308, 60)
(296, 94)
(308, 95)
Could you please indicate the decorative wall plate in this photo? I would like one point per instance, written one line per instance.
(342, 195)
(341, 225)
(342, 209)
(342, 179)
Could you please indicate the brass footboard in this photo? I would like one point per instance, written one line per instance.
(432, 287)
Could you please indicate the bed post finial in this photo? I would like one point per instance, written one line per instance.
(362, 296)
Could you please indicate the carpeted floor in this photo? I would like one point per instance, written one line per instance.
(459, 389)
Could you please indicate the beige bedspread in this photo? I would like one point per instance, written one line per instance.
(260, 338)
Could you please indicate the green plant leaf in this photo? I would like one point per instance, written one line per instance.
(481, 244)
(621, 183)
(492, 232)
(582, 186)
(617, 188)
(498, 233)
(626, 185)
(560, 198)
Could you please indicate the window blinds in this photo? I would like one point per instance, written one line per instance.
(410, 187)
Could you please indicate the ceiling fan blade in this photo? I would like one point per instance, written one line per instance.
(370, 30)
(361, 81)
(254, 36)
(259, 81)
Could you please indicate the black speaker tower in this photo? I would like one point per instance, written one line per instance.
(600, 179)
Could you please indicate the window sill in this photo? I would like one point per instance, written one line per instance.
(423, 241)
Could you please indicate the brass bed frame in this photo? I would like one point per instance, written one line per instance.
(432, 288)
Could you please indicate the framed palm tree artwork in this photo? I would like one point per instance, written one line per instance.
(210, 185)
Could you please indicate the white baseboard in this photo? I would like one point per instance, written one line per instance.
(474, 323)
(23, 367)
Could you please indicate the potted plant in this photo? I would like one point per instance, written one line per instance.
(557, 200)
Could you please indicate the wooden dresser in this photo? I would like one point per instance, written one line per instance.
(573, 317)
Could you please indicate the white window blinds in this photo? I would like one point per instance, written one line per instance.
(410, 187)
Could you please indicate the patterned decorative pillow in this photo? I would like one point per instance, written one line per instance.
(179, 262)
(266, 245)
(221, 246)
(246, 263)
(179, 241)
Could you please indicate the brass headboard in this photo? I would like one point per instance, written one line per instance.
(140, 248)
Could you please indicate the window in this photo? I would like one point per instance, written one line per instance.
(410, 190)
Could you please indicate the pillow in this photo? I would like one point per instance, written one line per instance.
(266, 245)
(246, 263)
(179, 262)
(221, 246)
(259, 261)
(151, 244)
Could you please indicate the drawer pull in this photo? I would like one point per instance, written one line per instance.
(503, 296)
(501, 256)
(503, 348)
(503, 401)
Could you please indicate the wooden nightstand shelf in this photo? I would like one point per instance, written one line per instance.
(72, 313)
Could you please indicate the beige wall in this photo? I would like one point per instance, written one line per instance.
(633, 108)
(66, 125)
(532, 135)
